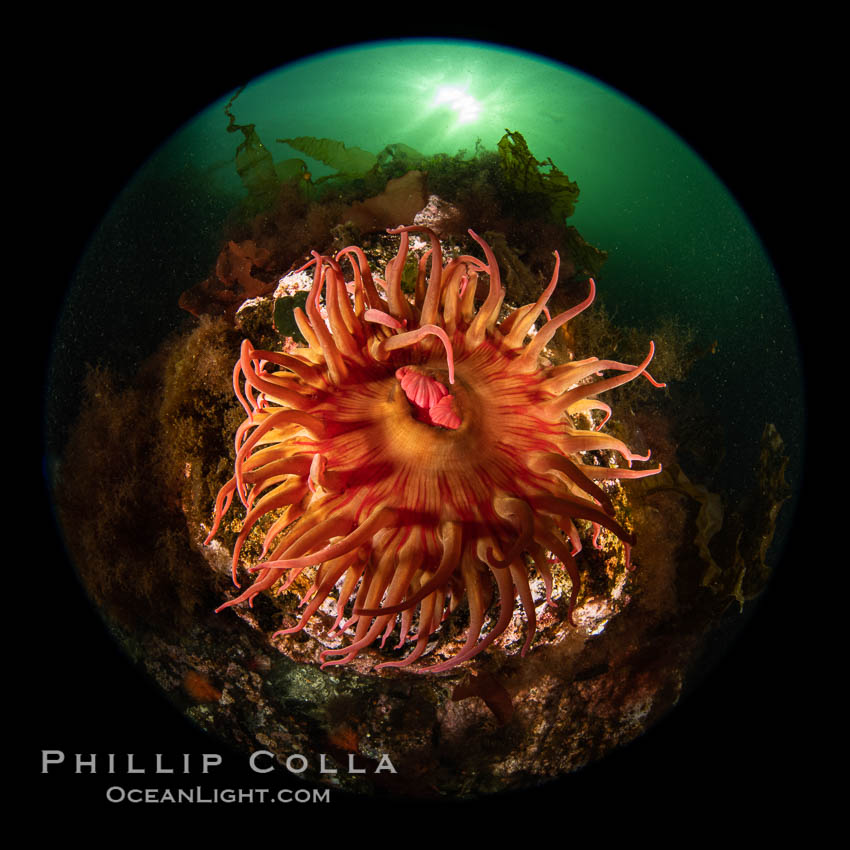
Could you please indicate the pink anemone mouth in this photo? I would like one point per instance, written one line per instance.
(419, 453)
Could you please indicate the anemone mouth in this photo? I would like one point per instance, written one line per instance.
(418, 455)
(430, 400)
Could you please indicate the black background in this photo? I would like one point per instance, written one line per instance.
(742, 738)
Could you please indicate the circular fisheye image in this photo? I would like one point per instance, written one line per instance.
(401, 425)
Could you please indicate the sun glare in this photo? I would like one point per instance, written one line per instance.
(464, 105)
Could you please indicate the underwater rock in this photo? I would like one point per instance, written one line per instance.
(436, 214)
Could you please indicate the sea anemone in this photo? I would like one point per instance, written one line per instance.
(420, 451)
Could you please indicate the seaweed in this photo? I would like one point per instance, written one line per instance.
(347, 161)
(756, 524)
(287, 211)
(254, 163)
(526, 175)
(587, 258)
(399, 158)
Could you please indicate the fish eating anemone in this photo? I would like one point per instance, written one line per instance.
(419, 452)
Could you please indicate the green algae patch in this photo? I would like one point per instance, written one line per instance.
(284, 316)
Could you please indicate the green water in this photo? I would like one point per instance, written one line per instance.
(678, 243)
